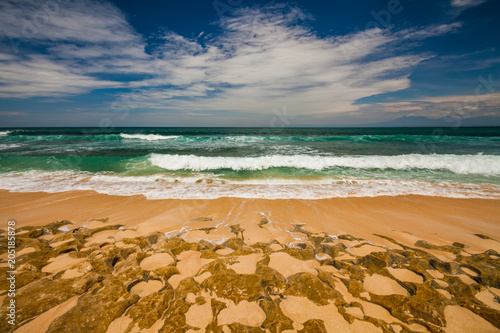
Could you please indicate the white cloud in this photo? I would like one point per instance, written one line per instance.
(263, 58)
(467, 3)
(52, 48)
(266, 58)
(38, 76)
(455, 106)
(430, 31)
(65, 20)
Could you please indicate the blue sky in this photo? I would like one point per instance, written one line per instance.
(246, 63)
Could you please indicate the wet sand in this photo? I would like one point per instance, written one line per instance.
(407, 219)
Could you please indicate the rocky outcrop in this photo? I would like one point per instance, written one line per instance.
(330, 275)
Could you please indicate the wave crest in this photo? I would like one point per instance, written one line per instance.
(148, 137)
(488, 165)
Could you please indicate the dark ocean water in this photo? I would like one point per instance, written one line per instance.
(253, 162)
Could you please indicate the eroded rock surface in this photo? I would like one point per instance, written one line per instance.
(167, 284)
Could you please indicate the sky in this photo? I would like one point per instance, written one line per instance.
(246, 63)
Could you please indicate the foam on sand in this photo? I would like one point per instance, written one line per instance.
(210, 187)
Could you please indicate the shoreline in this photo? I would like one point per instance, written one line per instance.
(407, 219)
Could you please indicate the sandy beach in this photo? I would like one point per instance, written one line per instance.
(235, 166)
(383, 264)
(407, 219)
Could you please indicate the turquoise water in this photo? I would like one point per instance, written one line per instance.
(253, 162)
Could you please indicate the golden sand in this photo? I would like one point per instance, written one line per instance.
(407, 219)
(43, 321)
(436, 226)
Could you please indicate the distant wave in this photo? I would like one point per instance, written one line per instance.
(248, 139)
(243, 139)
(9, 146)
(461, 164)
(158, 187)
(95, 137)
(33, 138)
(148, 137)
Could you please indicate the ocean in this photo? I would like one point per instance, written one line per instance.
(272, 163)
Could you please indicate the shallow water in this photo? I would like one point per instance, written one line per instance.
(305, 163)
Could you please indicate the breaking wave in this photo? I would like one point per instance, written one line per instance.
(487, 165)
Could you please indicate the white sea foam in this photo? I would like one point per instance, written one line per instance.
(9, 145)
(4, 133)
(488, 165)
(148, 137)
(160, 187)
